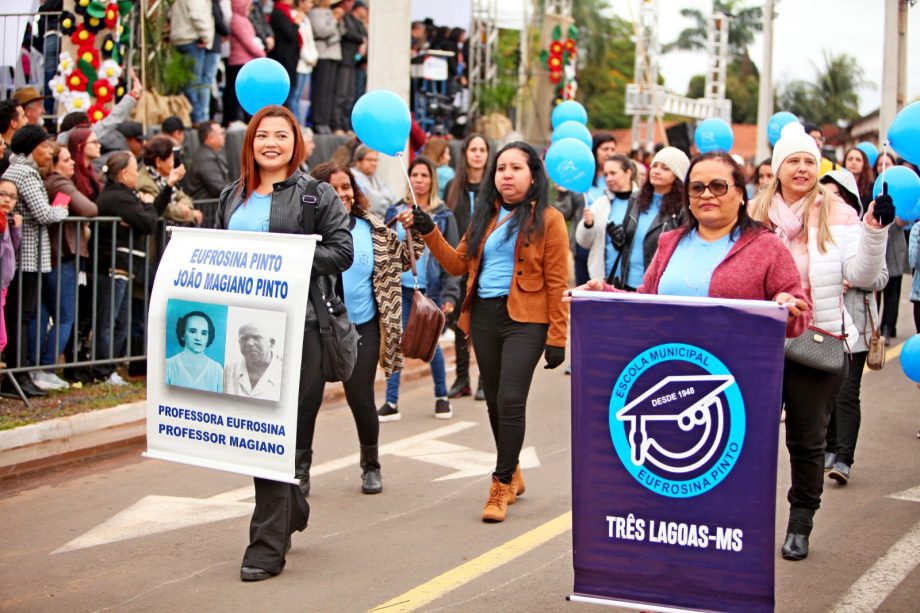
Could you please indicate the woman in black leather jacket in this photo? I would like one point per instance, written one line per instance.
(270, 196)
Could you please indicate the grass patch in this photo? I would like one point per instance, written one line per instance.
(14, 413)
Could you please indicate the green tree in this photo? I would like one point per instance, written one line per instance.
(607, 63)
(745, 23)
(742, 82)
(833, 96)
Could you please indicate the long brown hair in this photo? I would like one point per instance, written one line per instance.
(249, 170)
(458, 185)
(866, 178)
(324, 173)
(433, 199)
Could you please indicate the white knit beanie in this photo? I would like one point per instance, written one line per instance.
(676, 161)
(793, 139)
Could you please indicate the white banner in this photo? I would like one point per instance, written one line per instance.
(224, 343)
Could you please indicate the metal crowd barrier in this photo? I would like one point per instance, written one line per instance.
(39, 330)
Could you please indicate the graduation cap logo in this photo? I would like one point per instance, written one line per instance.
(687, 409)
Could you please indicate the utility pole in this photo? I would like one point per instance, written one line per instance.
(765, 90)
(894, 65)
(388, 68)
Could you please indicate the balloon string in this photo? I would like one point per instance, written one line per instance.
(402, 164)
(885, 166)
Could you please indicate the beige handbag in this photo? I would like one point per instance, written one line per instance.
(876, 358)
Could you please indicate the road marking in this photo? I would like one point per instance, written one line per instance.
(871, 590)
(155, 514)
(465, 573)
(465, 461)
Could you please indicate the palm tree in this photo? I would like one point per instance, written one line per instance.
(832, 96)
(746, 21)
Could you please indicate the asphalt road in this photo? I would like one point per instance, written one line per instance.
(130, 534)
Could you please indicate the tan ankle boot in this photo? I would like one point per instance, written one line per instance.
(517, 483)
(500, 496)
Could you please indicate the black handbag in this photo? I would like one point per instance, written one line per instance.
(338, 335)
(819, 349)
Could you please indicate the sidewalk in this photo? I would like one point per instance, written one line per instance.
(57, 441)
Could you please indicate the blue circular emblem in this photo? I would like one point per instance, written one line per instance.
(677, 420)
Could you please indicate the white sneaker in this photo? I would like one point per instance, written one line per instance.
(48, 380)
(115, 379)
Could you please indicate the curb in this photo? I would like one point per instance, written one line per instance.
(38, 446)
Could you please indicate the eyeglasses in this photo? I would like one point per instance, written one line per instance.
(717, 187)
(92, 142)
(7, 196)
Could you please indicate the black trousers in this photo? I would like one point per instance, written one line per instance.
(507, 352)
(809, 396)
(25, 308)
(461, 340)
(281, 508)
(344, 97)
(843, 429)
(888, 300)
(359, 392)
(322, 91)
(917, 312)
(359, 389)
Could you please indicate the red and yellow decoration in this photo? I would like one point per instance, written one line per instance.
(559, 59)
(98, 30)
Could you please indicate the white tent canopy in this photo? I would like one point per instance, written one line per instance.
(512, 14)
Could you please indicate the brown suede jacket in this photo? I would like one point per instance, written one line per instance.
(540, 276)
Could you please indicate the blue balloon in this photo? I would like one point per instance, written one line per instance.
(777, 123)
(904, 133)
(910, 358)
(381, 120)
(714, 134)
(569, 111)
(870, 150)
(570, 164)
(573, 129)
(262, 82)
(904, 189)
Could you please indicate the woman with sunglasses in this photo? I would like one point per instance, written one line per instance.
(830, 246)
(721, 252)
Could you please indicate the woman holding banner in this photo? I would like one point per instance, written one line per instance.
(516, 254)
(830, 247)
(270, 196)
(374, 300)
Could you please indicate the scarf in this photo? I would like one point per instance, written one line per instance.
(161, 182)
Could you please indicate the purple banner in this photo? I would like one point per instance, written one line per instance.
(675, 419)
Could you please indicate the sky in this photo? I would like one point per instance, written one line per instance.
(802, 31)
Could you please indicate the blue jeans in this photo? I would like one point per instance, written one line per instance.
(294, 99)
(111, 327)
(197, 89)
(211, 64)
(65, 278)
(437, 363)
(52, 49)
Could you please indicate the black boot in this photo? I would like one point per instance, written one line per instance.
(303, 458)
(370, 470)
(461, 387)
(801, 522)
(480, 393)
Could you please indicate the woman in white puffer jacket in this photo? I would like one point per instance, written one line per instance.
(829, 244)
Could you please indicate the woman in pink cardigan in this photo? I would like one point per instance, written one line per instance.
(244, 46)
(722, 252)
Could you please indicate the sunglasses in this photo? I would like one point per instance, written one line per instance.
(717, 187)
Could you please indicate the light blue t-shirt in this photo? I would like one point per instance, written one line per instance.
(253, 214)
(421, 264)
(498, 260)
(636, 253)
(359, 291)
(617, 215)
(690, 268)
(445, 174)
(597, 190)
